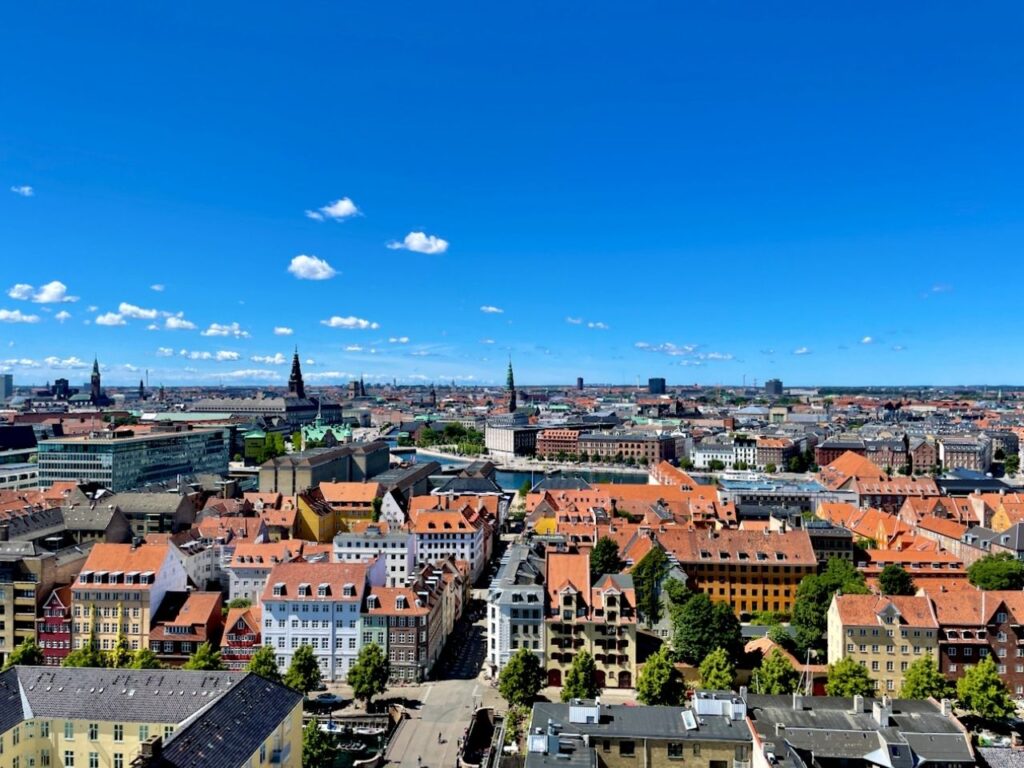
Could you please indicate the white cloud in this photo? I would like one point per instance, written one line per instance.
(216, 329)
(54, 292)
(339, 210)
(319, 375)
(138, 313)
(277, 359)
(574, 320)
(801, 351)
(668, 348)
(353, 348)
(421, 353)
(24, 190)
(490, 310)
(61, 316)
(486, 341)
(225, 356)
(398, 340)
(282, 330)
(311, 268)
(309, 361)
(164, 352)
(420, 242)
(153, 327)
(179, 323)
(898, 348)
(350, 323)
(248, 373)
(867, 340)
(599, 326)
(67, 362)
(110, 318)
(196, 355)
(716, 356)
(158, 287)
(22, 362)
(92, 308)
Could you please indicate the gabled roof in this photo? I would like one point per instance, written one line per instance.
(864, 610)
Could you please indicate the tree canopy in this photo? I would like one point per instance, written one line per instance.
(700, 626)
(318, 748)
(717, 672)
(604, 558)
(776, 675)
(370, 674)
(894, 580)
(264, 663)
(205, 658)
(848, 678)
(145, 659)
(813, 596)
(647, 577)
(923, 680)
(521, 678)
(997, 571)
(581, 679)
(660, 683)
(983, 692)
(303, 673)
(27, 653)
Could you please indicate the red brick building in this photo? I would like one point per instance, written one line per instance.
(53, 628)
(242, 637)
(552, 442)
(976, 624)
(181, 627)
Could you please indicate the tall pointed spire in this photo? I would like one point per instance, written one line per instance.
(296, 386)
(95, 388)
(510, 387)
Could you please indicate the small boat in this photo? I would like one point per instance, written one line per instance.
(365, 731)
(332, 727)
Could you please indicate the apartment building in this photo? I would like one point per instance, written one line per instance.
(147, 719)
(351, 501)
(515, 606)
(712, 733)
(600, 618)
(641, 448)
(367, 542)
(439, 533)
(750, 570)
(319, 605)
(53, 627)
(243, 634)
(961, 452)
(251, 564)
(184, 622)
(400, 618)
(120, 589)
(886, 634)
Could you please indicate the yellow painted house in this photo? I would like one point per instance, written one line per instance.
(116, 718)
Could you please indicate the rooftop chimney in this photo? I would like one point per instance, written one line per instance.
(858, 704)
(946, 707)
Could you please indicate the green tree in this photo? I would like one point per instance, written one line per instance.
(205, 659)
(776, 675)
(264, 663)
(848, 678)
(296, 440)
(770, 468)
(676, 591)
(997, 571)
(1012, 464)
(318, 748)
(813, 596)
(923, 680)
(699, 626)
(716, 466)
(145, 659)
(524, 489)
(89, 655)
(894, 580)
(377, 504)
(370, 674)
(303, 673)
(660, 683)
(522, 678)
(240, 602)
(120, 655)
(983, 692)
(647, 577)
(717, 672)
(779, 635)
(581, 679)
(27, 653)
(604, 558)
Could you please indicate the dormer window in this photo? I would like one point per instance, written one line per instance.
(279, 589)
(349, 590)
(305, 590)
(400, 603)
(372, 602)
(321, 591)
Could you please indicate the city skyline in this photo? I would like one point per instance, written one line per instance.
(599, 195)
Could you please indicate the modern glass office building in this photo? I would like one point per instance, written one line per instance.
(121, 461)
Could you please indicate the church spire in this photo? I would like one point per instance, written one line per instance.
(95, 388)
(510, 388)
(296, 386)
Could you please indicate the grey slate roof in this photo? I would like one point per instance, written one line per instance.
(619, 721)
(134, 696)
(231, 729)
(470, 485)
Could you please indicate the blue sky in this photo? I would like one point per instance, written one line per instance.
(702, 191)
